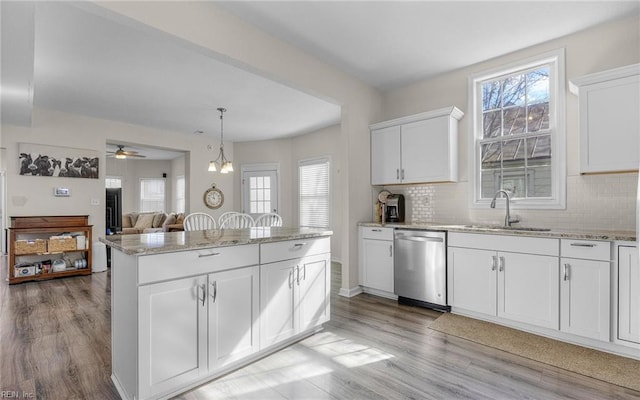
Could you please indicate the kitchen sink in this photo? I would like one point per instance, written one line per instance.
(507, 228)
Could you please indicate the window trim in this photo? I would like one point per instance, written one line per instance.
(314, 161)
(184, 193)
(557, 107)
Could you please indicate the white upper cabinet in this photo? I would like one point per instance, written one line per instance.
(385, 155)
(418, 148)
(609, 119)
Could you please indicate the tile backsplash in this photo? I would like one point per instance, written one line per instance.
(605, 202)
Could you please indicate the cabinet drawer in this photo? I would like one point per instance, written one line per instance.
(588, 249)
(513, 244)
(369, 232)
(290, 249)
(160, 267)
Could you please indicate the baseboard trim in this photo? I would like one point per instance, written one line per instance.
(354, 291)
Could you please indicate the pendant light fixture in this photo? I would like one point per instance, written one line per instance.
(222, 162)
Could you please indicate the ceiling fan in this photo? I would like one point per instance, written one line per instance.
(121, 153)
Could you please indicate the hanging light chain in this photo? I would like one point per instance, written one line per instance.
(225, 165)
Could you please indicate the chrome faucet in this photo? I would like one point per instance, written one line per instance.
(508, 220)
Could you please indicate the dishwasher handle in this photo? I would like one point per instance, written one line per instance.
(420, 239)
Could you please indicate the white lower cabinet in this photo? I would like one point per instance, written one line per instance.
(628, 294)
(585, 288)
(473, 276)
(376, 259)
(528, 289)
(519, 287)
(234, 307)
(179, 319)
(172, 334)
(190, 327)
(585, 293)
(294, 297)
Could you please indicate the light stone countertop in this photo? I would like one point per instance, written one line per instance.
(167, 242)
(627, 236)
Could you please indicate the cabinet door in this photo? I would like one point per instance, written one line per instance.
(528, 289)
(584, 298)
(277, 306)
(628, 294)
(377, 264)
(313, 284)
(473, 278)
(609, 125)
(385, 156)
(426, 149)
(233, 315)
(173, 334)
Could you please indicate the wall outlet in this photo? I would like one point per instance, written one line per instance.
(95, 202)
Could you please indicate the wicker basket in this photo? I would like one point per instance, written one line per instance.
(62, 243)
(30, 246)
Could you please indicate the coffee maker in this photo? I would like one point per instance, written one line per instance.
(394, 208)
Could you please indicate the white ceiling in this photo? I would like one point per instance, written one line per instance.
(393, 43)
(86, 64)
(66, 58)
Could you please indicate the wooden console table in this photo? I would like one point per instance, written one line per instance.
(37, 243)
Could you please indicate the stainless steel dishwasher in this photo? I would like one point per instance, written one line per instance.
(420, 268)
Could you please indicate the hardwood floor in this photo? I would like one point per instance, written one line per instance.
(55, 344)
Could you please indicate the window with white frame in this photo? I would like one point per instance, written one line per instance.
(313, 184)
(113, 182)
(152, 194)
(519, 134)
(180, 194)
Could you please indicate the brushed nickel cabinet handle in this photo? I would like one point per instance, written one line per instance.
(501, 264)
(290, 278)
(298, 245)
(214, 285)
(402, 174)
(204, 295)
(566, 272)
(494, 262)
(397, 173)
(390, 250)
(376, 230)
(208, 255)
(583, 245)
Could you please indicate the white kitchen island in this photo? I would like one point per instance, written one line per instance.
(187, 307)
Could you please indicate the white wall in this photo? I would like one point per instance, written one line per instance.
(286, 153)
(604, 202)
(33, 195)
(221, 34)
(267, 152)
(132, 170)
(325, 142)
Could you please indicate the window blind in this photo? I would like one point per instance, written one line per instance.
(152, 195)
(314, 193)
